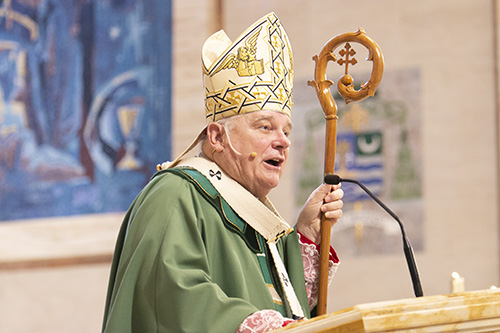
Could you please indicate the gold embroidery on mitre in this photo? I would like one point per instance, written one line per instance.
(244, 60)
(253, 73)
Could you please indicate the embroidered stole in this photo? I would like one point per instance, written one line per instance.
(260, 215)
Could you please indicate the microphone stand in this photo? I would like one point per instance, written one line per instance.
(410, 259)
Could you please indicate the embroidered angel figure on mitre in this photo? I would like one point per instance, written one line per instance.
(244, 61)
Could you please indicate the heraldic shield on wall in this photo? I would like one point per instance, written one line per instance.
(84, 104)
(378, 144)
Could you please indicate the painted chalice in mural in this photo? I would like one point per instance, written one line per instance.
(129, 121)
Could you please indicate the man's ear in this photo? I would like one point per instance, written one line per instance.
(215, 135)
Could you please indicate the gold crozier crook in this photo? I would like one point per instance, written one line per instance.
(346, 89)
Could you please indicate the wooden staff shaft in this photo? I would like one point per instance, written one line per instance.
(324, 252)
(346, 89)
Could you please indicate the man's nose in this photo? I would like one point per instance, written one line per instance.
(281, 141)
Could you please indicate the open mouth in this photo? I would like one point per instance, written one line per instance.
(274, 162)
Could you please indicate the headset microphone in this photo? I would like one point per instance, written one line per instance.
(252, 154)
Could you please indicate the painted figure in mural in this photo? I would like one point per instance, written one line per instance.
(39, 101)
(202, 249)
(77, 91)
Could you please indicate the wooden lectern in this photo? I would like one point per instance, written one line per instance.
(477, 311)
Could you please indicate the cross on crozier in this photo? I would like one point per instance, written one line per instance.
(347, 52)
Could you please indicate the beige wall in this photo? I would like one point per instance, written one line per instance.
(453, 45)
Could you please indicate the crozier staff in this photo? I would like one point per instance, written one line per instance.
(201, 248)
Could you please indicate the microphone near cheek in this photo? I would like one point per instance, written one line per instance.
(252, 154)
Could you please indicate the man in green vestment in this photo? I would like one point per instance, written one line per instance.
(201, 248)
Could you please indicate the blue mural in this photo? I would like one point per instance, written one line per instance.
(84, 103)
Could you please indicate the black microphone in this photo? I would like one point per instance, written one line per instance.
(332, 179)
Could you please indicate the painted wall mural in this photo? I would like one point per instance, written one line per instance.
(379, 144)
(84, 103)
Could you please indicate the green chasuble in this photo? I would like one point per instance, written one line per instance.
(186, 262)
